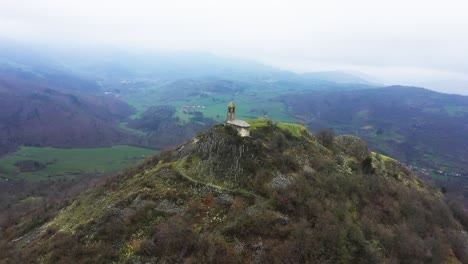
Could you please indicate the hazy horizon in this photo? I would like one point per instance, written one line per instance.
(418, 43)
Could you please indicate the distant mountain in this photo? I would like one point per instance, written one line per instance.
(38, 113)
(114, 66)
(105, 68)
(336, 76)
(278, 196)
(162, 68)
(415, 125)
(447, 86)
(36, 66)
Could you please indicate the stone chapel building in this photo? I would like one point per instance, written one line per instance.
(242, 127)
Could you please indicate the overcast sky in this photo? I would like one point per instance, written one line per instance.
(396, 41)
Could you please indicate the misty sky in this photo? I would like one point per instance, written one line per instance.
(398, 41)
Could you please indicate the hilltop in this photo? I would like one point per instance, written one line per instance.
(277, 196)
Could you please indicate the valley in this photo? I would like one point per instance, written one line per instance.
(158, 102)
(209, 98)
(164, 111)
(420, 127)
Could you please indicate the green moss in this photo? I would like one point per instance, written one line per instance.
(381, 156)
(260, 122)
(295, 129)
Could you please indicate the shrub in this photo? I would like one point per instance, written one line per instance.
(173, 237)
(326, 137)
(353, 146)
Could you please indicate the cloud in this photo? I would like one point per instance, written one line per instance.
(380, 37)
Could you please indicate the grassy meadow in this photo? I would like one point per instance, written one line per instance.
(72, 162)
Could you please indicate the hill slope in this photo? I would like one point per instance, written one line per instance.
(38, 114)
(335, 76)
(276, 197)
(415, 125)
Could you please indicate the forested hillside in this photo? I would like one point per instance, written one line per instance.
(279, 196)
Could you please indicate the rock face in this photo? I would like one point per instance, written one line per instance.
(222, 157)
(278, 196)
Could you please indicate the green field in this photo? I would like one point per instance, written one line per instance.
(248, 107)
(250, 104)
(73, 162)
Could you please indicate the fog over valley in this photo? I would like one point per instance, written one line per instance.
(421, 43)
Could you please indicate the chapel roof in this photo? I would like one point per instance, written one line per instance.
(239, 123)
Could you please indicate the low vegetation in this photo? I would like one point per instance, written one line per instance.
(278, 196)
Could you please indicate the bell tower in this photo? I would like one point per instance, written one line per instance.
(242, 127)
(231, 113)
